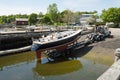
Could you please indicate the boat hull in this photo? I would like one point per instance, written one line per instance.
(54, 44)
(59, 45)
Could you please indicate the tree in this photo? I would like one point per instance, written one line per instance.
(88, 12)
(21, 16)
(68, 16)
(53, 12)
(111, 15)
(59, 18)
(46, 19)
(77, 17)
(40, 15)
(1, 22)
(32, 19)
(4, 19)
(11, 18)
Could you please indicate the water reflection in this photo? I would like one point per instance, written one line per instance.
(57, 67)
(11, 61)
(82, 64)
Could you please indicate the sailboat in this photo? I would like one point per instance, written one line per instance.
(58, 40)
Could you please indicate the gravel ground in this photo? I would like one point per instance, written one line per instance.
(109, 45)
(115, 32)
(112, 42)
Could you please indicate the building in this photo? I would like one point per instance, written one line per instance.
(84, 18)
(21, 21)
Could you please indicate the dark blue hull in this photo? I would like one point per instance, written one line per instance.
(36, 47)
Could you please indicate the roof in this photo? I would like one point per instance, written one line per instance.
(21, 19)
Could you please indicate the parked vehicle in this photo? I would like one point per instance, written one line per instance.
(99, 34)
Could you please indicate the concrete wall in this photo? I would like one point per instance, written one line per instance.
(12, 41)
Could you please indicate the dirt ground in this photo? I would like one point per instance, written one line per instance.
(109, 45)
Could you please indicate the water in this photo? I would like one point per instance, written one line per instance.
(1, 30)
(24, 66)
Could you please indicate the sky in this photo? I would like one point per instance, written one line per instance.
(8, 7)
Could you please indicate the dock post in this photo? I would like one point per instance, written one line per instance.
(117, 54)
(38, 54)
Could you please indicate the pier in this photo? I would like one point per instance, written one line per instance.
(113, 73)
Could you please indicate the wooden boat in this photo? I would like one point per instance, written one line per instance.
(59, 41)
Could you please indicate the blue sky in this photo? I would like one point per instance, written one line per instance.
(8, 7)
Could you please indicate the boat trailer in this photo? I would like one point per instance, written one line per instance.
(68, 49)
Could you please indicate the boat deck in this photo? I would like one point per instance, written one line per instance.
(54, 37)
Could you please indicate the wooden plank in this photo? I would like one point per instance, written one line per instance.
(113, 73)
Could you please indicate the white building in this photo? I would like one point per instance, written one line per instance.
(84, 18)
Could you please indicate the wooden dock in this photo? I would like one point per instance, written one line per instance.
(113, 73)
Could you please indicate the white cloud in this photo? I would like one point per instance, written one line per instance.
(89, 5)
(79, 4)
(20, 10)
(42, 5)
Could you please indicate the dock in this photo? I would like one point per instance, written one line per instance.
(113, 73)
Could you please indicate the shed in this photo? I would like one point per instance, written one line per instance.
(21, 21)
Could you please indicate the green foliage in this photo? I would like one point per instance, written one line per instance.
(3, 19)
(111, 15)
(33, 19)
(68, 16)
(47, 20)
(21, 16)
(76, 16)
(11, 18)
(40, 15)
(53, 12)
(88, 12)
